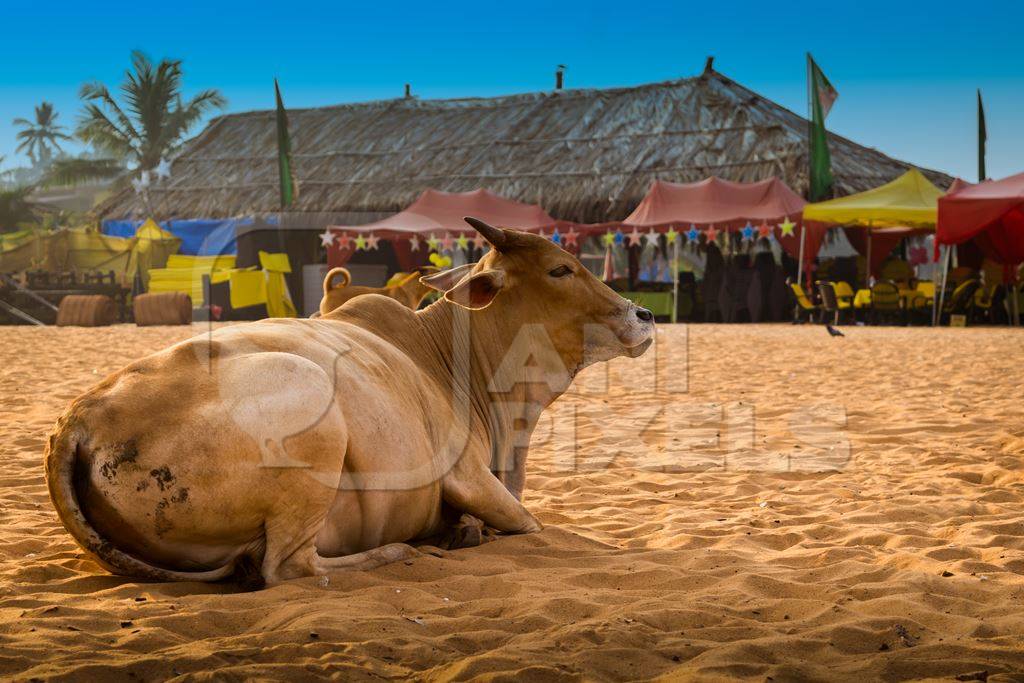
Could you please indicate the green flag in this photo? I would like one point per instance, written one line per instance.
(284, 153)
(982, 139)
(821, 95)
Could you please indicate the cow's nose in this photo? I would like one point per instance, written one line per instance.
(644, 315)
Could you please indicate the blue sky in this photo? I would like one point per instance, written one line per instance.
(906, 73)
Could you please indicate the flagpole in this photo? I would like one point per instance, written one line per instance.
(810, 170)
(810, 130)
(982, 138)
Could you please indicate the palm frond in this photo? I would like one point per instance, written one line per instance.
(70, 172)
(97, 129)
(97, 92)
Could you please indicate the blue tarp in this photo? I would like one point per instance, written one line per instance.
(199, 236)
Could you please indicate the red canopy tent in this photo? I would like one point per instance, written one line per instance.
(729, 206)
(991, 212)
(437, 215)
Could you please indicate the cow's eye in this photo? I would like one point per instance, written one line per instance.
(560, 271)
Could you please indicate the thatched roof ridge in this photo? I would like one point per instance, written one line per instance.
(586, 155)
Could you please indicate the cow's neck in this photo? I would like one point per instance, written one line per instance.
(468, 349)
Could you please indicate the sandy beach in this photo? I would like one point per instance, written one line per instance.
(777, 505)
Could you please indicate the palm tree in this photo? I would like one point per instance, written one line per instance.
(39, 137)
(153, 120)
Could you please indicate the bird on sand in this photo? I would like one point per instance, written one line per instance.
(833, 331)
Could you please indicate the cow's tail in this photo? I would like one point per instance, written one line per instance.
(329, 284)
(62, 454)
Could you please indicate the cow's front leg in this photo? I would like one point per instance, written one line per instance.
(475, 491)
(465, 532)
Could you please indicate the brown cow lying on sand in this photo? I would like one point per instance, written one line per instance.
(289, 448)
(409, 290)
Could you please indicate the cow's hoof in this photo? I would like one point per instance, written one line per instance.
(464, 536)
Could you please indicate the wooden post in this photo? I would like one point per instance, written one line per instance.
(945, 279)
(800, 264)
(675, 279)
(867, 265)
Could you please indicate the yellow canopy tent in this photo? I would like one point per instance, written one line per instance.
(153, 247)
(909, 201)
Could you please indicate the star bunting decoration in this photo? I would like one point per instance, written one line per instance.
(163, 169)
(651, 237)
(786, 227)
(619, 237)
(360, 242)
(414, 243)
(462, 241)
(556, 237)
(711, 233)
(432, 242)
(479, 241)
(447, 243)
(693, 234)
(608, 239)
(327, 238)
(748, 232)
(372, 241)
(141, 184)
(634, 238)
(570, 238)
(764, 230)
(343, 241)
(671, 235)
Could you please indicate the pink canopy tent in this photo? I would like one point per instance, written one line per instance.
(729, 206)
(760, 209)
(438, 215)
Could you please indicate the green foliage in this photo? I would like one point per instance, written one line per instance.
(16, 208)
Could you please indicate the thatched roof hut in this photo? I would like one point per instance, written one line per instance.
(584, 155)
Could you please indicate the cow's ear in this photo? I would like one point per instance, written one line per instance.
(477, 291)
(446, 279)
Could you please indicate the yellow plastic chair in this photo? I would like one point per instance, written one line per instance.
(830, 302)
(898, 271)
(803, 303)
(1018, 292)
(983, 300)
(844, 293)
(885, 301)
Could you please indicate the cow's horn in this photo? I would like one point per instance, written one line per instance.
(496, 236)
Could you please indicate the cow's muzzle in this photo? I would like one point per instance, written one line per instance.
(636, 329)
